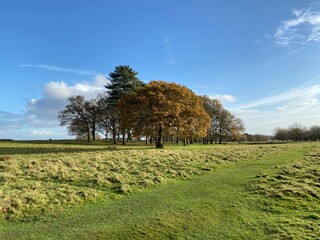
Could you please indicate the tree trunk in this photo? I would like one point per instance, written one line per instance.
(107, 132)
(88, 134)
(93, 131)
(159, 139)
(114, 134)
(129, 136)
(123, 138)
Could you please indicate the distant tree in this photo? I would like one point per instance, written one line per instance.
(123, 80)
(214, 109)
(76, 117)
(224, 125)
(162, 107)
(81, 117)
(92, 110)
(315, 133)
(281, 134)
(237, 129)
(104, 115)
(296, 132)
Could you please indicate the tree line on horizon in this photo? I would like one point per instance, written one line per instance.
(297, 133)
(155, 111)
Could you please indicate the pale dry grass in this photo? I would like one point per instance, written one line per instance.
(38, 178)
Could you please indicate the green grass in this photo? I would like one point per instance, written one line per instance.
(201, 192)
(291, 198)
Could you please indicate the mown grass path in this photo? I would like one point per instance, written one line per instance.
(218, 205)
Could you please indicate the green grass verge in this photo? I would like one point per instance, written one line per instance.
(216, 205)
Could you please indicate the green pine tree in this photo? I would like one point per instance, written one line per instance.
(122, 80)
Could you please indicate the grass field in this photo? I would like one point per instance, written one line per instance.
(81, 191)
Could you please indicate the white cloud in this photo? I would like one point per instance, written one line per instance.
(44, 111)
(46, 133)
(295, 96)
(56, 90)
(304, 27)
(225, 98)
(299, 104)
(40, 115)
(61, 69)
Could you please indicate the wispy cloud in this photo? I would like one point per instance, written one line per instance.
(60, 69)
(293, 98)
(303, 28)
(168, 45)
(299, 104)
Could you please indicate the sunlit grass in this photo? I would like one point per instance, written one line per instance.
(291, 198)
(37, 178)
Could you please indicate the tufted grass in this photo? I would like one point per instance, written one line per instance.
(80, 191)
(38, 178)
(291, 198)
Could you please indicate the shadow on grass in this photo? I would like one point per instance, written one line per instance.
(52, 149)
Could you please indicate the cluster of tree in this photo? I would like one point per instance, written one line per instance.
(257, 138)
(297, 133)
(153, 111)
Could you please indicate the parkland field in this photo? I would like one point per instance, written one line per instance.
(70, 190)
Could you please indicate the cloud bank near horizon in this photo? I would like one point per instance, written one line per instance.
(39, 119)
(297, 105)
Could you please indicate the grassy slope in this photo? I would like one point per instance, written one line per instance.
(217, 205)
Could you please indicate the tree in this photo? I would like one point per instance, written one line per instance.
(92, 110)
(162, 107)
(281, 134)
(315, 133)
(123, 80)
(236, 129)
(223, 123)
(104, 115)
(296, 132)
(80, 116)
(76, 117)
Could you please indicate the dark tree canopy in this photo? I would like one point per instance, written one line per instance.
(122, 80)
(80, 116)
(75, 117)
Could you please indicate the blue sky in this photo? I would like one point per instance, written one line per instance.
(260, 58)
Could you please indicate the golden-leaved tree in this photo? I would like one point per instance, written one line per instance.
(161, 107)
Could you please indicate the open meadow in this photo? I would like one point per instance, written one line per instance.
(70, 190)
